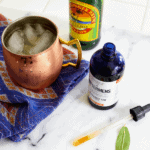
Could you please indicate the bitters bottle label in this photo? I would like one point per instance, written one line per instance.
(84, 21)
(102, 93)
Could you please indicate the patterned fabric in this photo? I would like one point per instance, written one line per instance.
(21, 109)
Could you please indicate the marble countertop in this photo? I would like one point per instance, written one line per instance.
(76, 116)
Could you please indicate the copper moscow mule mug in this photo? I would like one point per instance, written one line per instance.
(39, 70)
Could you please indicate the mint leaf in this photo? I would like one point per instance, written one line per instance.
(123, 139)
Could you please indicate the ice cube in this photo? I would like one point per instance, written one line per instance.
(46, 39)
(16, 42)
(21, 53)
(39, 29)
(30, 34)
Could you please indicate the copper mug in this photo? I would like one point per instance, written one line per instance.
(39, 70)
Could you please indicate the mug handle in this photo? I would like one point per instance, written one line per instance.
(74, 41)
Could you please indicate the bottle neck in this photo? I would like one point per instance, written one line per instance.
(108, 51)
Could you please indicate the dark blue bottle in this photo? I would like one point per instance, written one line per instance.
(106, 70)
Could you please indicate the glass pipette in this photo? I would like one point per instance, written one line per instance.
(136, 114)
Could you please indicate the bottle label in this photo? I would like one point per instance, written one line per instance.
(84, 21)
(102, 93)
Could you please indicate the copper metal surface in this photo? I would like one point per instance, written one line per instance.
(74, 41)
(39, 70)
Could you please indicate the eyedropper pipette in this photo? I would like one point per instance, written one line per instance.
(136, 114)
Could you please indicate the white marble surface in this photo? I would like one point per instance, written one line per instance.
(76, 116)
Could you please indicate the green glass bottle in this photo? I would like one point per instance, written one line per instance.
(85, 22)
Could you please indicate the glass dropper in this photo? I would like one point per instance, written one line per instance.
(136, 114)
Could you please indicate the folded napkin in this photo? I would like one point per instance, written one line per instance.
(22, 109)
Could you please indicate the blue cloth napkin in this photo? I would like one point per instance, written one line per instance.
(21, 109)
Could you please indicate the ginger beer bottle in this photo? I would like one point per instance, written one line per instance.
(85, 22)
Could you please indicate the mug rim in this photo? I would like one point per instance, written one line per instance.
(22, 18)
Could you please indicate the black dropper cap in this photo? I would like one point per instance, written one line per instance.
(139, 112)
